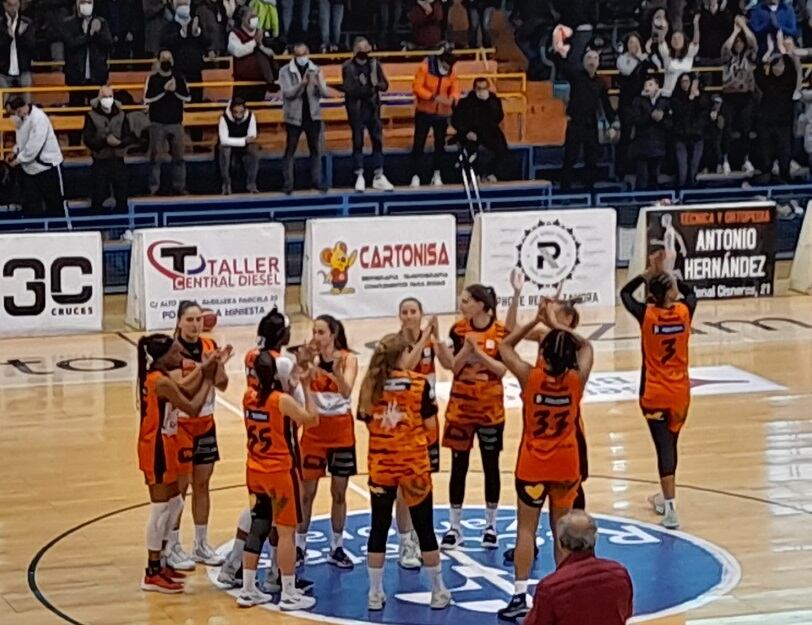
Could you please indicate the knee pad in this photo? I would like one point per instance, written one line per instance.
(156, 524)
(423, 521)
(260, 528)
(382, 500)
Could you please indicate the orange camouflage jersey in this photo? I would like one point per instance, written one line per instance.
(157, 453)
(273, 446)
(551, 411)
(476, 393)
(664, 381)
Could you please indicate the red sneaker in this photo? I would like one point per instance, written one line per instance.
(159, 583)
(173, 574)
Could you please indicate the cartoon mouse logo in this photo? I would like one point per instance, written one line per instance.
(339, 262)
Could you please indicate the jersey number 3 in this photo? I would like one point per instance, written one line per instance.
(670, 351)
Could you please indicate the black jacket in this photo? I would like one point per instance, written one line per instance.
(78, 43)
(481, 117)
(777, 106)
(588, 95)
(25, 44)
(690, 118)
(356, 93)
(650, 136)
(187, 51)
(99, 125)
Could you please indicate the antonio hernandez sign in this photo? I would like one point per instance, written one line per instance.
(722, 250)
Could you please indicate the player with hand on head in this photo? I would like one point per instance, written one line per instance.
(548, 464)
(665, 386)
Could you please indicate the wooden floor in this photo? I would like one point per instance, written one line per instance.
(67, 456)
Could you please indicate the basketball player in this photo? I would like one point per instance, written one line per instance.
(548, 463)
(424, 345)
(330, 369)
(665, 387)
(197, 441)
(159, 400)
(398, 407)
(273, 334)
(273, 478)
(475, 407)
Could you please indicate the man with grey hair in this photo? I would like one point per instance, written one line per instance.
(583, 588)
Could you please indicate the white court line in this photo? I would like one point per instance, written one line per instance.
(798, 617)
(358, 490)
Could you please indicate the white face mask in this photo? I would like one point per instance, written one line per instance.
(183, 12)
(85, 9)
(253, 23)
(107, 103)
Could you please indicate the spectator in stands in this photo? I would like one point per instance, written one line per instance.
(584, 589)
(769, 18)
(436, 89)
(36, 151)
(238, 144)
(776, 78)
(479, 16)
(656, 32)
(739, 95)
(426, 18)
(214, 22)
(364, 81)
(88, 44)
(678, 56)
(107, 134)
(267, 15)
(690, 118)
(715, 25)
(581, 16)
(651, 115)
(17, 45)
(388, 20)
(589, 99)
(476, 119)
(155, 19)
(530, 19)
(287, 11)
(302, 84)
(165, 94)
(125, 21)
(457, 25)
(48, 16)
(253, 59)
(331, 19)
(713, 154)
(633, 65)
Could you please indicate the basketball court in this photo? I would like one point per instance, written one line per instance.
(74, 505)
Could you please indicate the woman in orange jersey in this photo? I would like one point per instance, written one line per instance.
(331, 369)
(475, 407)
(160, 399)
(665, 388)
(397, 405)
(273, 477)
(424, 345)
(548, 462)
(197, 440)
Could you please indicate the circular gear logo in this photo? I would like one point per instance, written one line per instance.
(549, 252)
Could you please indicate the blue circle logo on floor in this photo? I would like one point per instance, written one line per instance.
(671, 571)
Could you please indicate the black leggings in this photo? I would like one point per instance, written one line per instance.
(261, 515)
(459, 471)
(422, 519)
(665, 443)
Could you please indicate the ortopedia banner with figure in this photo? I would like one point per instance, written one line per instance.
(574, 249)
(722, 250)
(50, 283)
(362, 267)
(236, 271)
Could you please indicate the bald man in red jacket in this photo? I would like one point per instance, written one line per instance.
(583, 589)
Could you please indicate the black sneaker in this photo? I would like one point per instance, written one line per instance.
(490, 540)
(300, 557)
(339, 558)
(452, 539)
(516, 609)
(510, 554)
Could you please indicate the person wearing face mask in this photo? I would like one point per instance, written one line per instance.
(88, 43)
(651, 115)
(238, 143)
(267, 15)
(253, 60)
(165, 94)
(476, 119)
(107, 134)
(302, 84)
(364, 81)
(37, 153)
(17, 45)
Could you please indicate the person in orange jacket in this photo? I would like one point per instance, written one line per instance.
(436, 89)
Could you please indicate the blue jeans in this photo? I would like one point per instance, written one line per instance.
(479, 22)
(286, 12)
(370, 119)
(331, 18)
(689, 156)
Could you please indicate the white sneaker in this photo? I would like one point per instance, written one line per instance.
(670, 519)
(296, 602)
(252, 598)
(726, 168)
(415, 183)
(381, 183)
(204, 554)
(436, 180)
(179, 560)
(360, 184)
(747, 167)
(409, 556)
(440, 599)
(657, 503)
(271, 585)
(794, 168)
(228, 574)
(376, 600)
(491, 179)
